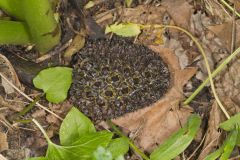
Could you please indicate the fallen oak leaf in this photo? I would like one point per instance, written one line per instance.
(157, 122)
(183, 14)
(179, 141)
(226, 36)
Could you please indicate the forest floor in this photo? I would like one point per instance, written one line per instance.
(215, 27)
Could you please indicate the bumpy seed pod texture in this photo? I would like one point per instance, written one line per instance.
(114, 77)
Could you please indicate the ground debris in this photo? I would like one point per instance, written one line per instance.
(155, 123)
(114, 77)
(213, 138)
(4, 142)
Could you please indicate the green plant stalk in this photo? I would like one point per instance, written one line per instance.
(131, 144)
(204, 57)
(43, 27)
(24, 121)
(42, 130)
(230, 7)
(30, 106)
(13, 33)
(13, 7)
(214, 74)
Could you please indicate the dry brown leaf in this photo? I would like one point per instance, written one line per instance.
(217, 11)
(4, 142)
(212, 134)
(237, 4)
(7, 70)
(77, 43)
(224, 32)
(155, 123)
(180, 11)
(228, 87)
(2, 158)
(143, 14)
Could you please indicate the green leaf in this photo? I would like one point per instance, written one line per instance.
(55, 82)
(231, 142)
(231, 123)
(128, 2)
(102, 154)
(121, 157)
(125, 30)
(226, 149)
(12, 32)
(39, 16)
(215, 154)
(238, 139)
(118, 147)
(90, 4)
(37, 158)
(179, 141)
(74, 126)
(82, 149)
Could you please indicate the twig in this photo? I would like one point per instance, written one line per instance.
(235, 158)
(53, 53)
(214, 74)
(230, 7)
(197, 147)
(209, 144)
(204, 57)
(2, 158)
(223, 8)
(42, 130)
(233, 38)
(30, 99)
(7, 124)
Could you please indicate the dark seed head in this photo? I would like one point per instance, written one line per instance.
(114, 77)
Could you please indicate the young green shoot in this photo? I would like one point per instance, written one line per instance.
(12, 32)
(123, 29)
(39, 24)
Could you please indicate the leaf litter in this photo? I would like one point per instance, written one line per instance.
(151, 126)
